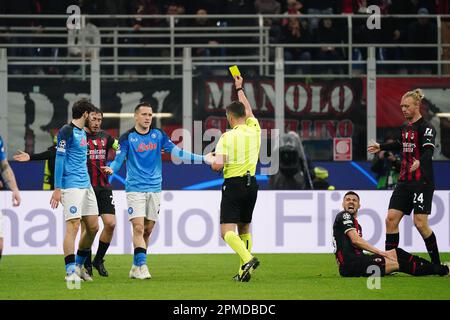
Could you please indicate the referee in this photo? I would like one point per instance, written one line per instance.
(237, 154)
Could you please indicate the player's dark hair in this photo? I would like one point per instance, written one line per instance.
(142, 104)
(80, 107)
(237, 108)
(352, 193)
(97, 110)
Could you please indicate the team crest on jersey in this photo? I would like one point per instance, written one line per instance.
(61, 146)
(153, 136)
(407, 134)
(346, 216)
(133, 139)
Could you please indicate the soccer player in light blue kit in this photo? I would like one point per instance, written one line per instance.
(10, 181)
(73, 189)
(141, 147)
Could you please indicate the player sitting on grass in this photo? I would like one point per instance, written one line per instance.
(349, 246)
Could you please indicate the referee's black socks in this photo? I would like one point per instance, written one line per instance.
(101, 251)
(432, 248)
(88, 262)
(392, 240)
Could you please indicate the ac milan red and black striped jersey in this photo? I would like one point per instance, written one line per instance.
(98, 146)
(343, 246)
(416, 142)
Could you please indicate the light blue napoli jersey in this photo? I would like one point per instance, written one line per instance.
(2, 150)
(143, 155)
(71, 156)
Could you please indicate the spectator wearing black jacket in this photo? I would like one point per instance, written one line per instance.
(328, 34)
(423, 30)
(295, 33)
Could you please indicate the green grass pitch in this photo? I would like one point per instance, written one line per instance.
(208, 276)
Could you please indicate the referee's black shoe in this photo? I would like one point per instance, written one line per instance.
(248, 268)
(238, 278)
(100, 267)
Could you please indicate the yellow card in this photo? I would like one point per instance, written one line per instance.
(234, 71)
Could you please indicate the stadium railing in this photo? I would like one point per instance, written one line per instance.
(242, 38)
(167, 52)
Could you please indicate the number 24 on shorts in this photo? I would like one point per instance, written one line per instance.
(418, 198)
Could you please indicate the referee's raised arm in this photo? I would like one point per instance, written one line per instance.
(242, 98)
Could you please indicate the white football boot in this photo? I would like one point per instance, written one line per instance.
(135, 272)
(145, 274)
(73, 277)
(82, 273)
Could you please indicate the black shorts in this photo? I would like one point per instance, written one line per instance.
(360, 266)
(406, 197)
(105, 201)
(238, 200)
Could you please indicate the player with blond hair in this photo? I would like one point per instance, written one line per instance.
(415, 185)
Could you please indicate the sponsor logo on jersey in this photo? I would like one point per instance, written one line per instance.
(145, 147)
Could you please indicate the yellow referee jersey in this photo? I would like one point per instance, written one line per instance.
(241, 147)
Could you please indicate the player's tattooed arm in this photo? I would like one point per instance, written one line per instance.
(10, 180)
(8, 176)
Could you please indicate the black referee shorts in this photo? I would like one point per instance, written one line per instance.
(105, 201)
(406, 197)
(361, 266)
(238, 200)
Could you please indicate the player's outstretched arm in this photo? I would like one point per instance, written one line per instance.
(185, 155)
(238, 82)
(176, 152)
(21, 156)
(373, 147)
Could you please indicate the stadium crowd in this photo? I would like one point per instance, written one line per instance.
(295, 28)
